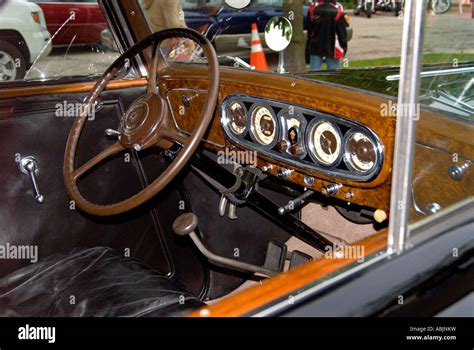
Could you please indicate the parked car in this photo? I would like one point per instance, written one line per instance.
(23, 38)
(73, 23)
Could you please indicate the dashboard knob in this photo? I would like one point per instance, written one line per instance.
(380, 216)
(284, 173)
(282, 146)
(331, 190)
(296, 150)
(456, 172)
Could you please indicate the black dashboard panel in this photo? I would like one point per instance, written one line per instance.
(328, 144)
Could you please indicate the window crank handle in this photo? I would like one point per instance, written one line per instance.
(29, 166)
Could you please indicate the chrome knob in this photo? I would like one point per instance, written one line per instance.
(331, 190)
(433, 208)
(456, 172)
(284, 173)
(112, 133)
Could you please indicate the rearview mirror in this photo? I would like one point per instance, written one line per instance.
(278, 33)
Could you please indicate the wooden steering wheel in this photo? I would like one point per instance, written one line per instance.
(146, 123)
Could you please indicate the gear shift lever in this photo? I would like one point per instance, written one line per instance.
(186, 223)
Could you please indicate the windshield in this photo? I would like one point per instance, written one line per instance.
(356, 43)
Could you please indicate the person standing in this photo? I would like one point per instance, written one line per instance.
(163, 14)
(327, 35)
(167, 14)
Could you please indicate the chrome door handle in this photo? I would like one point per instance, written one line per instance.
(29, 166)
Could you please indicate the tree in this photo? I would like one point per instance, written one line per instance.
(295, 61)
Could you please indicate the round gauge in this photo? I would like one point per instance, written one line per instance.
(361, 152)
(237, 118)
(263, 125)
(325, 143)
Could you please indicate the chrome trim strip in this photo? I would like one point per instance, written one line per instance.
(412, 47)
(434, 73)
(324, 284)
(442, 150)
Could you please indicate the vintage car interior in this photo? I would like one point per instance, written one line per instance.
(199, 188)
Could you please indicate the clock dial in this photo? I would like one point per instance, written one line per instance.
(325, 143)
(361, 153)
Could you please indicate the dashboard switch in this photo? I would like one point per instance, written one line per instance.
(296, 150)
(331, 190)
(281, 146)
(284, 172)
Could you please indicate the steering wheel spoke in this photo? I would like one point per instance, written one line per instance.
(106, 153)
(153, 69)
(174, 135)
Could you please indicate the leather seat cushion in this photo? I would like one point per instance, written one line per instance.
(92, 282)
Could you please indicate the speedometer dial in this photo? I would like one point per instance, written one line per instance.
(361, 153)
(237, 118)
(325, 143)
(263, 125)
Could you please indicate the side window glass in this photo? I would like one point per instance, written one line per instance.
(443, 176)
(51, 39)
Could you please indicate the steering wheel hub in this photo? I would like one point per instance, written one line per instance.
(141, 121)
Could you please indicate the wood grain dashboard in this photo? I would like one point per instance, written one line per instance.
(442, 141)
(185, 89)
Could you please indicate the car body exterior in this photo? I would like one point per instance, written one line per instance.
(74, 23)
(23, 38)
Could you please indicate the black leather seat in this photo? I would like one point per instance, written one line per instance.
(92, 282)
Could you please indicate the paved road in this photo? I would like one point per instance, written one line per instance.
(379, 36)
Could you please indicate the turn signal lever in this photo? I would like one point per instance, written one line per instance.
(185, 224)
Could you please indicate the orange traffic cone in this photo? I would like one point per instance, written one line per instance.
(257, 57)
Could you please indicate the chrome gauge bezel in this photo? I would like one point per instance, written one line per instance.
(284, 116)
(251, 127)
(278, 109)
(225, 119)
(313, 153)
(377, 146)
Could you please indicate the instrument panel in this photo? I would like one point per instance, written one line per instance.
(303, 137)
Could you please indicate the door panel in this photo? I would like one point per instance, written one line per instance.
(33, 129)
